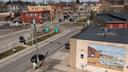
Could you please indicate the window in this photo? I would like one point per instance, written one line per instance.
(82, 56)
(35, 14)
(26, 14)
(31, 14)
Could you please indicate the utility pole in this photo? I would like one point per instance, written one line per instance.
(35, 39)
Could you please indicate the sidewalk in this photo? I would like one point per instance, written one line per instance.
(64, 66)
(57, 62)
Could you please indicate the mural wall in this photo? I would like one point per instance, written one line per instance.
(106, 56)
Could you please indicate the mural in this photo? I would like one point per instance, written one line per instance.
(106, 56)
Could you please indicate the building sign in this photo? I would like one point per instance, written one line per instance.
(106, 56)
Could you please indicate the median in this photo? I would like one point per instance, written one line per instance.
(42, 38)
(11, 52)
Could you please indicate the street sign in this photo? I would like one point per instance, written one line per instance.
(56, 29)
(46, 29)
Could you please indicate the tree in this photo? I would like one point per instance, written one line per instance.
(78, 1)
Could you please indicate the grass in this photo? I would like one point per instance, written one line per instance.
(78, 23)
(41, 38)
(41, 33)
(10, 52)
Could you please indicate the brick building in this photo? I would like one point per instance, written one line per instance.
(39, 13)
(112, 20)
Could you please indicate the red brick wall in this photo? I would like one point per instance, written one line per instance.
(26, 17)
(117, 25)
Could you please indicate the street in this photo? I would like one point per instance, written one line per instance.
(22, 64)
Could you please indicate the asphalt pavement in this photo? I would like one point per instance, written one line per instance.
(23, 63)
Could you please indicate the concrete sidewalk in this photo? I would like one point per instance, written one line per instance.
(64, 66)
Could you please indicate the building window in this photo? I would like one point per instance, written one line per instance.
(31, 14)
(82, 56)
(26, 14)
(35, 14)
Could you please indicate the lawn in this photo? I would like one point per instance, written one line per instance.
(10, 52)
(78, 23)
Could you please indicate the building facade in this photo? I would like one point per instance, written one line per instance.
(88, 55)
(112, 20)
(97, 50)
(39, 13)
(96, 8)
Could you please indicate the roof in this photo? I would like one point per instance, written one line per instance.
(120, 15)
(95, 33)
(109, 19)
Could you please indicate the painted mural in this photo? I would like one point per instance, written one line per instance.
(106, 56)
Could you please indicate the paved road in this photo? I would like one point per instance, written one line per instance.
(22, 64)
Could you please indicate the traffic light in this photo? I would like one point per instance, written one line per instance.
(56, 29)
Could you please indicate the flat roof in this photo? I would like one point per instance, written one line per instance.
(94, 32)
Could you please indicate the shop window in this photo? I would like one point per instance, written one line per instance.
(82, 56)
